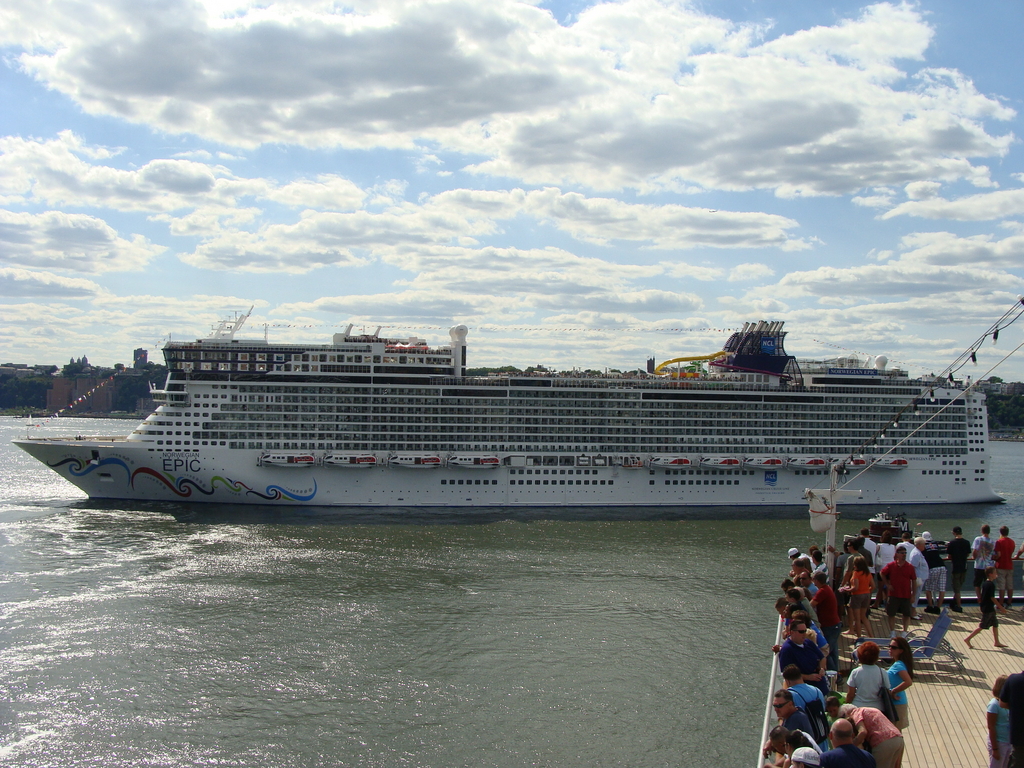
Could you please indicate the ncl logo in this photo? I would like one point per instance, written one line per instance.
(771, 477)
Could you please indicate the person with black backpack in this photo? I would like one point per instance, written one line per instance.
(811, 700)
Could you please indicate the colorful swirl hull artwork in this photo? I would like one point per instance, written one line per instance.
(180, 485)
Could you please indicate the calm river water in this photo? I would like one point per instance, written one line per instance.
(167, 635)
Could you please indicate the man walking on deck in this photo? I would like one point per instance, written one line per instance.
(958, 549)
(981, 551)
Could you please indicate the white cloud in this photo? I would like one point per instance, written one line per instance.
(107, 327)
(922, 190)
(461, 216)
(24, 283)
(944, 249)
(326, 193)
(898, 278)
(454, 282)
(70, 241)
(981, 207)
(745, 272)
(635, 93)
(601, 220)
(55, 173)
(199, 200)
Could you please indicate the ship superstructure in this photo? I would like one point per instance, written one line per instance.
(369, 420)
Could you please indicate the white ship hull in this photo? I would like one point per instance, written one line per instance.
(126, 470)
(251, 422)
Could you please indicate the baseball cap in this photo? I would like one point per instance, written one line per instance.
(806, 755)
(926, 536)
(957, 529)
(793, 551)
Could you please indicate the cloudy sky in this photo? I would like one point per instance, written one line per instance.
(582, 184)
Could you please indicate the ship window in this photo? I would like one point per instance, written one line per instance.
(611, 482)
(477, 483)
(529, 482)
(650, 482)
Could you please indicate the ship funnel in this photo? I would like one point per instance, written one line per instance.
(458, 337)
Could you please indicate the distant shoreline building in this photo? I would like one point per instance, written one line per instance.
(64, 392)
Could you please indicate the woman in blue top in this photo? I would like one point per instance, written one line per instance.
(998, 739)
(901, 677)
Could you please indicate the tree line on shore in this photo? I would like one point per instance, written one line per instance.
(20, 396)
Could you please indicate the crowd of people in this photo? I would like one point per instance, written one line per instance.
(858, 722)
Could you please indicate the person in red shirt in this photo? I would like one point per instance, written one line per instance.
(827, 607)
(898, 577)
(1003, 555)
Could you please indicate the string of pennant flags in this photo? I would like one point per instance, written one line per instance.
(77, 401)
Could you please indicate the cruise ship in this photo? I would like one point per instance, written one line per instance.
(396, 422)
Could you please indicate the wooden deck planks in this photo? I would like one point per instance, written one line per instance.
(947, 711)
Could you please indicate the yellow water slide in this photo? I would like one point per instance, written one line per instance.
(693, 359)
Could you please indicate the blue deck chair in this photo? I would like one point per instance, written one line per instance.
(926, 647)
(916, 637)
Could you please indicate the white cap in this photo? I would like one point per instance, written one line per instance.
(806, 755)
(926, 536)
(793, 551)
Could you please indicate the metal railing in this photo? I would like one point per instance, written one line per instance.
(774, 682)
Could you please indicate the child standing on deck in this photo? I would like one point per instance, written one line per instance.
(988, 604)
(998, 721)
